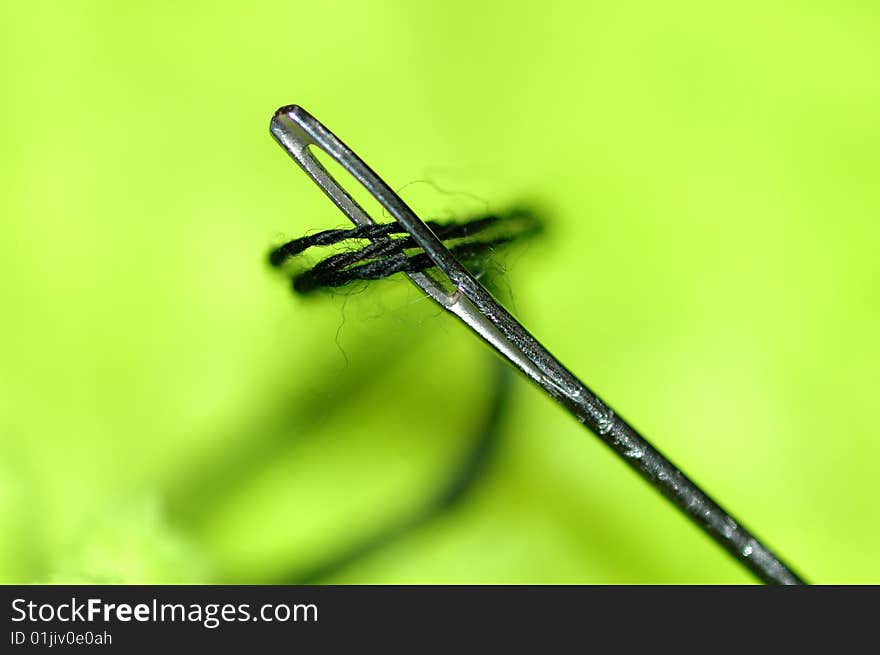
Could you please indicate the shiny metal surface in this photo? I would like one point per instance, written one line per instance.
(462, 295)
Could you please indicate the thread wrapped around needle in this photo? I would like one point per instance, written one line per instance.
(390, 249)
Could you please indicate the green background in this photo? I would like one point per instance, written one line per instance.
(170, 412)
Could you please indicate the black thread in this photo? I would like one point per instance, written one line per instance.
(387, 254)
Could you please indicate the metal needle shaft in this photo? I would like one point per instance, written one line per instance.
(295, 130)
